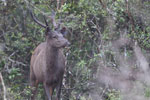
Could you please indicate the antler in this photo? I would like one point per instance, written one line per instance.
(38, 22)
(53, 19)
(46, 22)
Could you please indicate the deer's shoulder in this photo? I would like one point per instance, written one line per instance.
(39, 48)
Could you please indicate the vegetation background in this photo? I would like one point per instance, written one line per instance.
(109, 54)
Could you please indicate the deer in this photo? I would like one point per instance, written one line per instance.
(47, 63)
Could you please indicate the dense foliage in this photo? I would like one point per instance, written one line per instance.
(92, 26)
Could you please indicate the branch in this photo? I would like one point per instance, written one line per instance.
(4, 87)
(13, 61)
(17, 62)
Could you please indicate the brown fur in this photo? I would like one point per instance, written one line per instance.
(48, 64)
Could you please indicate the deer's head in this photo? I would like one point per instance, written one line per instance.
(54, 38)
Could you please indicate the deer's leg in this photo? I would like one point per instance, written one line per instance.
(32, 76)
(34, 84)
(34, 90)
(49, 91)
(58, 89)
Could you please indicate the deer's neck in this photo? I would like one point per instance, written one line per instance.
(51, 58)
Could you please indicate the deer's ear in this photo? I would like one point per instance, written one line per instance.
(63, 31)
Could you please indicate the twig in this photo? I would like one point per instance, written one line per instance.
(4, 87)
(17, 62)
